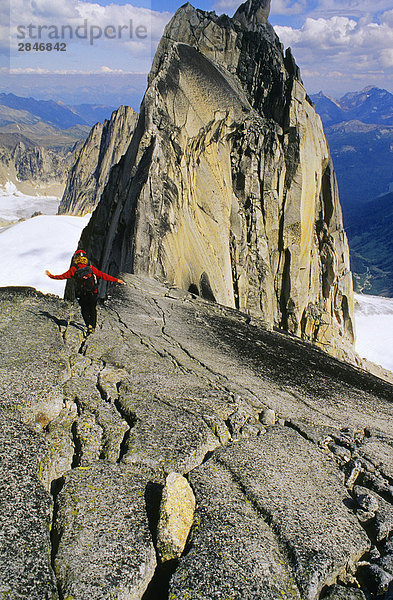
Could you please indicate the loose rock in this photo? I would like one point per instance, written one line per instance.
(375, 579)
(339, 592)
(268, 417)
(176, 517)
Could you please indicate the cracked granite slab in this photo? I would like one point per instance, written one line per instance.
(172, 382)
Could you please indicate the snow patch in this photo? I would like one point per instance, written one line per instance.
(374, 329)
(28, 248)
(10, 188)
(14, 205)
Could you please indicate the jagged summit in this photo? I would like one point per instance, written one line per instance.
(251, 55)
(227, 187)
(253, 13)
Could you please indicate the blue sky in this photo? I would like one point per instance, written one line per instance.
(340, 45)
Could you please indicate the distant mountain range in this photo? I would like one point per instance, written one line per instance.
(55, 113)
(359, 129)
(39, 140)
(371, 105)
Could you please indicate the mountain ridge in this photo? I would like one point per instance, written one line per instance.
(370, 105)
(39, 141)
(57, 113)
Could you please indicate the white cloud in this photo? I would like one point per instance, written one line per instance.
(119, 36)
(386, 58)
(278, 7)
(321, 8)
(103, 70)
(319, 33)
(343, 48)
(4, 27)
(340, 40)
(117, 23)
(286, 7)
(226, 6)
(349, 8)
(355, 36)
(387, 18)
(47, 8)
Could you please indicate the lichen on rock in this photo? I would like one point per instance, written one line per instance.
(176, 517)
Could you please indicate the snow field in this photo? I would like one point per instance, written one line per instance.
(374, 329)
(14, 205)
(28, 248)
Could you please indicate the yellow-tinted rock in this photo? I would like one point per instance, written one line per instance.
(228, 188)
(176, 516)
(89, 174)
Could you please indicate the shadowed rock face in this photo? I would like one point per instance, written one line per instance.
(252, 13)
(288, 452)
(227, 187)
(89, 174)
(33, 167)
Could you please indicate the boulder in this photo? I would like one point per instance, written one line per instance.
(339, 592)
(30, 381)
(103, 543)
(176, 517)
(26, 514)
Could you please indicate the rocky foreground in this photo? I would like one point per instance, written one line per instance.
(285, 453)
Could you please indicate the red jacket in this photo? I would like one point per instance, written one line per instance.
(71, 272)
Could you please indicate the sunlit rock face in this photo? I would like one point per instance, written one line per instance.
(105, 145)
(227, 188)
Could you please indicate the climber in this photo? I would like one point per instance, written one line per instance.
(86, 288)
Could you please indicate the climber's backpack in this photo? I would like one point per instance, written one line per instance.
(85, 281)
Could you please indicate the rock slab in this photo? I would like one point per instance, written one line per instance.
(104, 546)
(171, 382)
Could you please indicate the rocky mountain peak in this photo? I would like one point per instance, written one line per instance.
(227, 187)
(239, 45)
(253, 13)
(103, 148)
